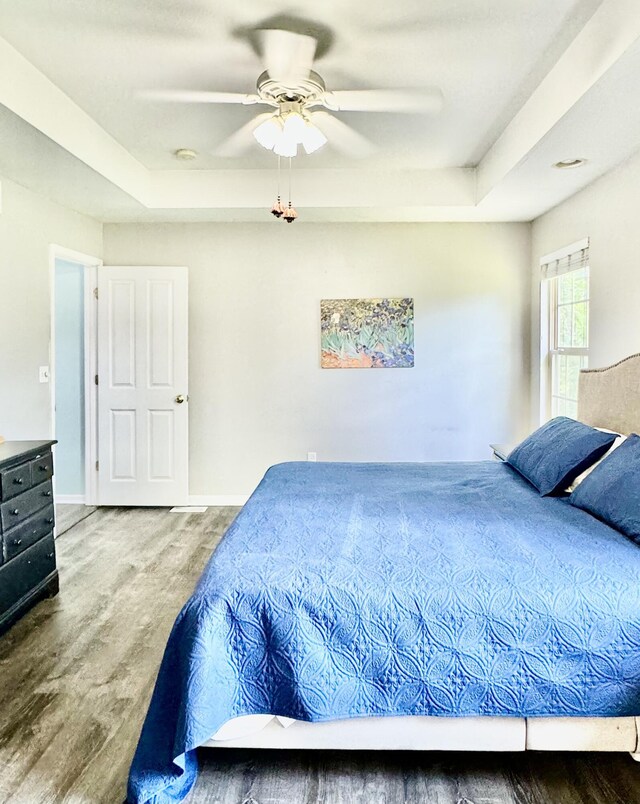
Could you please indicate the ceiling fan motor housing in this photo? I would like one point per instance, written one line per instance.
(305, 91)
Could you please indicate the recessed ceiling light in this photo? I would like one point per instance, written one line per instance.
(186, 154)
(565, 164)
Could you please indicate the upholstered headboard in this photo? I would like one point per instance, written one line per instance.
(610, 397)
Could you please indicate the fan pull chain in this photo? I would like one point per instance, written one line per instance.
(290, 214)
(277, 209)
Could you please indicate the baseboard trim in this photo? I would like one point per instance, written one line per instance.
(212, 500)
(215, 500)
(70, 499)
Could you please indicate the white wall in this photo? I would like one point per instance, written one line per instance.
(28, 225)
(69, 377)
(608, 212)
(258, 395)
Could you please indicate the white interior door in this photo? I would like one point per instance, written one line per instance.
(143, 420)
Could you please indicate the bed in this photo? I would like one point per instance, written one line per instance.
(406, 606)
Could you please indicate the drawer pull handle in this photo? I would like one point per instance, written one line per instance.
(18, 481)
(17, 542)
(42, 468)
(50, 555)
(46, 494)
(50, 520)
(15, 512)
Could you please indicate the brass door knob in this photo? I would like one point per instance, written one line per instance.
(181, 398)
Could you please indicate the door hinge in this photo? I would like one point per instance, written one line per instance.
(97, 465)
(96, 379)
(95, 293)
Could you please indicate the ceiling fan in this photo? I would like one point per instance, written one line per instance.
(299, 100)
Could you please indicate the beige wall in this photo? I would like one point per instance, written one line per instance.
(608, 212)
(29, 224)
(258, 395)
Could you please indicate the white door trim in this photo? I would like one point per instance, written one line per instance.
(91, 265)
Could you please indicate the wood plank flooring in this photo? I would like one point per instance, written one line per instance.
(76, 675)
(68, 515)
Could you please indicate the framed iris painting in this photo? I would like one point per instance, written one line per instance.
(366, 333)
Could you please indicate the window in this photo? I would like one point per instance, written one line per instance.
(567, 281)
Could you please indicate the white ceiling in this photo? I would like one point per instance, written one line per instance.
(485, 55)
(489, 57)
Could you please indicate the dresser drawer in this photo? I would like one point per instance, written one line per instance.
(15, 481)
(15, 511)
(19, 576)
(31, 531)
(42, 468)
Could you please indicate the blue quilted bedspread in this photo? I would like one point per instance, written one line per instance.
(346, 590)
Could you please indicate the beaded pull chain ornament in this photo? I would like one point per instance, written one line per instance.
(279, 210)
(289, 214)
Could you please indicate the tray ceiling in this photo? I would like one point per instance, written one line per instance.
(78, 67)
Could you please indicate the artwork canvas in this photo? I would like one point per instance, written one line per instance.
(366, 333)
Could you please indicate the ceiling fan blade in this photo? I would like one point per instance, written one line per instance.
(195, 96)
(287, 56)
(242, 139)
(341, 136)
(410, 101)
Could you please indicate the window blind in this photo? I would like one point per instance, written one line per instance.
(559, 263)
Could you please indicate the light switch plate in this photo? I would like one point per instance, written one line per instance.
(44, 373)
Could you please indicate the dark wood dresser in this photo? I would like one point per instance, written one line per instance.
(27, 517)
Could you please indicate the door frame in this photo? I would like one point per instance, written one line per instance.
(91, 265)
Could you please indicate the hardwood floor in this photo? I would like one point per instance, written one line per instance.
(69, 515)
(76, 675)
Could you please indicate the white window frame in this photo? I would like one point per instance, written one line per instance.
(548, 326)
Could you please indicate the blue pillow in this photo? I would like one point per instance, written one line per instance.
(559, 451)
(612, 491)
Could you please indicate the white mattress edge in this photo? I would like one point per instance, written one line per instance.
(431, 733)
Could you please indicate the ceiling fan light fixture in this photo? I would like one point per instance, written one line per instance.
(286, 147)
(279, 135)
(312, 138)
(294, 126)
(286, 130)
(269, 132)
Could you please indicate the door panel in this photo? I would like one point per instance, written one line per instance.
(142, 367)
(161, 431)
(160, 322)
(122, 458)
(122, 333)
